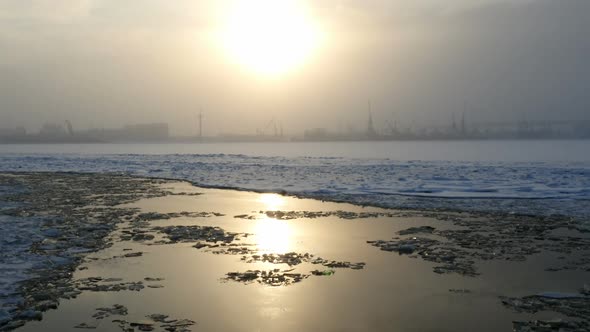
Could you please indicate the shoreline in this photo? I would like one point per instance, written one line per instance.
(423, 212)
(456, 186)
(457, 243)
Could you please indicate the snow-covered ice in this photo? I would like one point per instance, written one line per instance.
(520, 187)
(17, 235)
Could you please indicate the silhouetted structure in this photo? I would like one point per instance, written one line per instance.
(371, 132)
(200, 124)
(70, 128)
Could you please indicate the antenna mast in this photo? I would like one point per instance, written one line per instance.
(200, 124)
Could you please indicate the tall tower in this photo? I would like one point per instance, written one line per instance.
(200, 124)
(69, 128)
(370, 128)
(463, 129)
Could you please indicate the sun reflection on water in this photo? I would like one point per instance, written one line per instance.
(273, 236)
(272, 202)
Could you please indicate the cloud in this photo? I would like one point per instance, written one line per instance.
(157, 13)
(45, 10)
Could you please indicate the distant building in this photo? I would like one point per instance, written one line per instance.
(151, 132)
(12, 132)
(132, 133)
(52, 130)
(316, 134)
(582, 129)
(147, 132)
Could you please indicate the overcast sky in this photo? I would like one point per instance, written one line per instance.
(105, 63)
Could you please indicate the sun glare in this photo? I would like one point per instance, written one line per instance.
(272, 202)
(270, 37)
(273, 236)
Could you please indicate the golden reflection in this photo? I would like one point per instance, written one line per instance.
(273, 236)
(272, 202)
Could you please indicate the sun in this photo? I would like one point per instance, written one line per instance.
(270, 37)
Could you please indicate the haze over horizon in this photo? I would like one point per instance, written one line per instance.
(104, 63)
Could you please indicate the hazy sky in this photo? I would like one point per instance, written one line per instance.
(104, 63)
